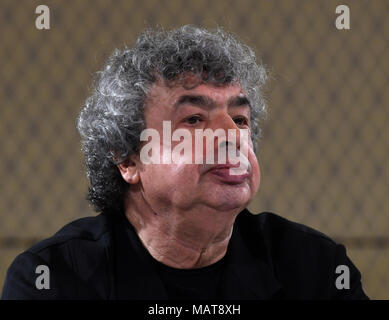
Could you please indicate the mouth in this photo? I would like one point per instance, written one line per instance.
(231, 174)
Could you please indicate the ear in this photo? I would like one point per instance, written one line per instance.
(129, 171)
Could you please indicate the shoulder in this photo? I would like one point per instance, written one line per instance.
(291, 248)
(87, 237)
(275, 229)
(73, 255)
(84, 230)
(303, 259)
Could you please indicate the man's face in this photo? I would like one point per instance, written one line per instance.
(183, 186)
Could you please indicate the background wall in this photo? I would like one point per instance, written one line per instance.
(324, 152)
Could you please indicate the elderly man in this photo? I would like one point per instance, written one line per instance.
(179, 229)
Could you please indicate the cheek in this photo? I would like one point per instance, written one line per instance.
(256, 173)
(167, 177)
(164, 186)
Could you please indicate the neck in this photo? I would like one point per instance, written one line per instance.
(184, 240)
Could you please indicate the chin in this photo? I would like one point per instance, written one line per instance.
(226, 207)
(230, 202)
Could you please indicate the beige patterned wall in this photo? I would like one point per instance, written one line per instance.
(324, 152)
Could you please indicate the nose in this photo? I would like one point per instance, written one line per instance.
(231, 139)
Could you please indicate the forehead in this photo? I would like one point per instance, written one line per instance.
(159, 92)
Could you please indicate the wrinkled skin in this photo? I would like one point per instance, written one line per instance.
(184, 213)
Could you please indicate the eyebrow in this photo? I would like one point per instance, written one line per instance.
(197, 100)
(238, 101)
(204, 101)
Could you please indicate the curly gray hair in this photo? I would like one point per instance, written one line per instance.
(112, 119)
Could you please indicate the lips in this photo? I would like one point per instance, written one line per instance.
(229, 173)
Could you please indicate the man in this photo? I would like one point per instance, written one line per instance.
(179, 229)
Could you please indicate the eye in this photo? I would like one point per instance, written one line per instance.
(241, 121)
(192, 120)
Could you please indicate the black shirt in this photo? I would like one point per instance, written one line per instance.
(268, 257)
(190, 284)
